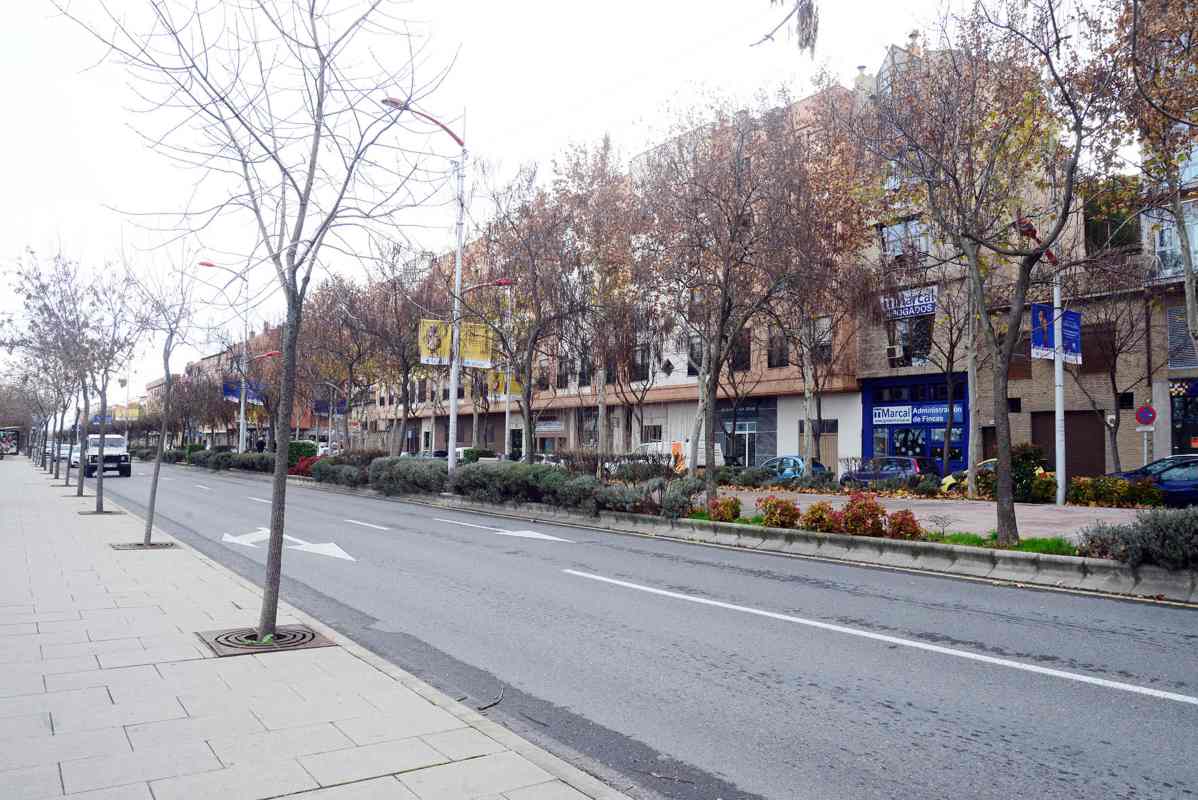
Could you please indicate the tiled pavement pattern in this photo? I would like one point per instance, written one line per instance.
(106, 693)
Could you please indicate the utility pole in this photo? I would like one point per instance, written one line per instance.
(455, 358)
(1058, 376)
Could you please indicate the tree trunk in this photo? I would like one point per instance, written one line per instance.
(1004, 490)
(709, 468)
(601, 421)
(278, 504)
(100, 452)
(1113, 429)
(810, 443)
(526, 413)
(71, 451)
(166, 406)
(700, 416)
(83, 428)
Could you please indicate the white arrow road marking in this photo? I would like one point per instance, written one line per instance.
(258, 500)
(367, 525)
(881, 637)
(504, 532)
(202, 486)
(252, 539)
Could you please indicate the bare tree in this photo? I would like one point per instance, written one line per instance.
(278, 106)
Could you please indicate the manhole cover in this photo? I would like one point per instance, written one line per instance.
(142, 546)
(241, 641)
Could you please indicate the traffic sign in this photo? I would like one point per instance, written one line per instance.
(1145, 414)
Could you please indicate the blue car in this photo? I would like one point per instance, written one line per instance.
(1151, 470)
(786, 467)
(1179, 483)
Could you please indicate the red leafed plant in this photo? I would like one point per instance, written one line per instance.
(778, 512)
(903, 525)
(823, 518)
(724, 509)
(864, 515)
(304, 466)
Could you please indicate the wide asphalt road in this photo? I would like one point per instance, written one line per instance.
(687, 671)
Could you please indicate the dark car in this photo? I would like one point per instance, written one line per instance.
(1179, 483)
(1154, 468)
(906, 468)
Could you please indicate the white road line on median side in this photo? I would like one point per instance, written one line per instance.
(258, 500)
(202, 486)
(881, 637)
(504, 532)
(366, 525)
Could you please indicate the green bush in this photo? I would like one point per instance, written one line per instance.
(986, 482)
(1109, 491)
(199, 458)
(222, 448)
(778, 512)
(903, 525)
(652, 492)
(724, 509)
(393, 475)
(297, 450)
(1080, 491)
(322, 471)
(678, 498)
(508, 482)
(755, 476)
(1145, 493)
(1025, 459)
(358, 458)
(640, 471)
(928, 486)
(727, 475)
(1044, 488)
(174, 456)
(578, 492)
(255, 462)
(1163, 537)
(472, 454)
(623, 498)
(221, 459)
(825, 481)
(193, 447)
(894, 484)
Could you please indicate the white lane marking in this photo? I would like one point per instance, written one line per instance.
(366, 525)
(202, 486)
(258, 500)
(504, 532)
(253, 538)
(881, 637)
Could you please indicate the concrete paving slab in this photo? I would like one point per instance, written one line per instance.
(465, 780)
(248, 782)
(355, 764)
(463, 743)
(237, 750)
(118, 715)
(555, 790)
(31, 783)
(150, 735)
(17, 752)
(168, 761)
(387, 788)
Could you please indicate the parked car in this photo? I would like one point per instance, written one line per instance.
(667, 449)
(818, 469)
(952, 479)
(1179, 483)
(908, 468)
(1154, 468)
(786, 467)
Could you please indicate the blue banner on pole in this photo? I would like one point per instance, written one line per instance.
(1044, 338)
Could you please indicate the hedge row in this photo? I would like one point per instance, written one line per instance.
(1162, 537)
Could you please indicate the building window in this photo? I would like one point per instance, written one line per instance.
(1014, 405)
(778, 354)
(1127, 400)
(694, 355)
(422, 389)
(1182, 354)
(650, 433)
(461, 391)
(444, 392)
(821, 426)
(822, 350)
(1098, 347)
(638, 369)
(542, 378)
(742, 351)
(1020, 367)
(565, 366)
(584, 372)
(667, 367)
(905, 243)
(911, 341)
(1165, 242)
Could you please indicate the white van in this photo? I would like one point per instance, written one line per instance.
(669, 448)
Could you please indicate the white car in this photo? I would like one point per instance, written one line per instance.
(116, 455)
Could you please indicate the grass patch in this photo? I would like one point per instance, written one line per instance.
(757, 519)
(966, 539)
(702, 514)
(1053, 546)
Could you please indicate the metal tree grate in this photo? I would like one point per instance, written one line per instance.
(142, 546)
(243, 641)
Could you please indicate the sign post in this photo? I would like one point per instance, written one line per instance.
(1146, 419)
(1057, 334)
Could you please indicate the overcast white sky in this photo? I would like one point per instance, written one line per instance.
(532, 76)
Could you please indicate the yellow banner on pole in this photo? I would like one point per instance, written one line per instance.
(476, 345)
(435, 342)
(497, 385)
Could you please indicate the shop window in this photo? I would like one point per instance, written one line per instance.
(650, 433)
(1014, 405)
(880, 441)
(940, 392)
(1127, 400)
(910, 441)
(957, 434)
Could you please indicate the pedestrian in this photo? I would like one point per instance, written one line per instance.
(261, 445)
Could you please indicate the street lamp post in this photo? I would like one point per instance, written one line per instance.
(455, 354)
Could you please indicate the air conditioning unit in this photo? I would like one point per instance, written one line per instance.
(894, 351)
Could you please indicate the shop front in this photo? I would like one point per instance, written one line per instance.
(907, 417)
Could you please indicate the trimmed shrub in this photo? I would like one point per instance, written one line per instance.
(222, 448)
(358, 458)
(928, 487)
(903, 525)
(393, 475)
(304, 465)
(174, 456)
(322, 471)
(297, 450)
(894, 484)
(653, 493)
(192, 448)
(778, 512)
(1145, 493)
(639, 471)
(199, 458)
(221, 459)
(727, 475)
(1044, 488)
(1164, 537)
(622, 498)
(1106, 540)
(825, 481)
(678, 498)
(863, 515)
(1109, 491)
(508, 482)
(986, 481)
(255, 462)
(755, 476)
(577, 492)
(823, 518)
(1025, 458)
(472, 454)
(724, 509)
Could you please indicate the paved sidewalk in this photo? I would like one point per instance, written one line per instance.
(107, 694)
(969, 516)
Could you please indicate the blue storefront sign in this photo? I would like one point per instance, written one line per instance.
(1044, 335)
(907, 416)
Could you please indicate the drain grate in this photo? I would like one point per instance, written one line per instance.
(242, 641)
(142, 546)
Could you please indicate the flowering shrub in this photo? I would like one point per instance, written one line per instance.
(724, 509)
(863, 515)
(1113, 492)
(823, 518)
(903, 525)
(304, 466)
(778, 512)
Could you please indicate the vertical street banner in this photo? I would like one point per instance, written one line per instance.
(1044, 337)
(476, 345)
(498, 389)
(435, 342)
